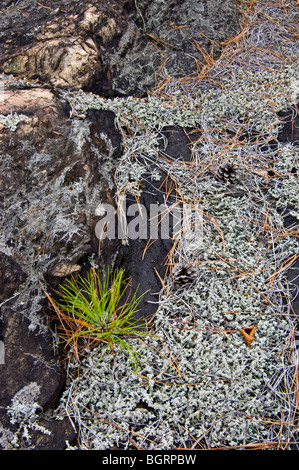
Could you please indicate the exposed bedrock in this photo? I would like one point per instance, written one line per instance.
(112, 48)
(53, 170)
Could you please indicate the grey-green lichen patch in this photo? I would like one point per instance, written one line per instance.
(248, 99)
(23, 411)
(11, 121)
(285, 187)
(140, 158)
(10, 81)
(216, 389)
(198, 379)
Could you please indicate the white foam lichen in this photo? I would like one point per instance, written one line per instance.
(11, 121)
(24, 412)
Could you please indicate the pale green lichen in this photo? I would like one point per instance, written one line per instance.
(11, 121)
(248, 99)
(285, 189)
(24, 412)
(197, 375)
(10, 81)
(220, 392)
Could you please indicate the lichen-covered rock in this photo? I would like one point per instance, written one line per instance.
(63, 156)
(171, 35)
(30, 358)
(52, 174)
(60, 42)
(113, 48)
(11, 276)
(53, 169)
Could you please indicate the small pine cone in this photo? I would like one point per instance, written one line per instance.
(183, 274)
(226, 173)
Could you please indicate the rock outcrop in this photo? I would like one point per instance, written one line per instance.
(114, 48)
(11, 276)
(169, 38)
(53, 170)
(30, 358)
(59, 42)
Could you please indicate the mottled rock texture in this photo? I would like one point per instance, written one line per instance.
(60, 41)
(113, 48)
(11, 276)
(169, 38)
(30, 357)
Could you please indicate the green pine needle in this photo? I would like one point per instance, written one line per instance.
(95, 307)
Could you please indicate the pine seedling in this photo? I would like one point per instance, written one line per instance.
(100, 310)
